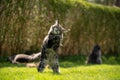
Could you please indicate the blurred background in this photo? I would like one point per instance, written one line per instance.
(25, 23)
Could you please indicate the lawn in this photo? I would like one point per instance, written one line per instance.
(70, 70)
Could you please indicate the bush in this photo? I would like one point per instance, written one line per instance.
(24, 24)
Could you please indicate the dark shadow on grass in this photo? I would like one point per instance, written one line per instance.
(71, 61)
(79, 60)
(75, 64)
(8, 64)
(5, 63)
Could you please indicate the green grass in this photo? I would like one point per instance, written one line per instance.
(71, 69)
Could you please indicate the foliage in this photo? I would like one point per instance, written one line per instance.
(25, 23)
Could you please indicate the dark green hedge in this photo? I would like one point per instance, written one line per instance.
(93, 24)
(24, 25)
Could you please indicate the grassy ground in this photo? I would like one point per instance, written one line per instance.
(71, 69)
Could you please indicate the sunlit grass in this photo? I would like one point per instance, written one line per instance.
(69, 71)
(71, 68)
